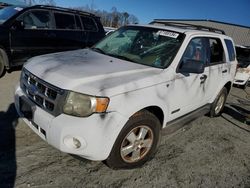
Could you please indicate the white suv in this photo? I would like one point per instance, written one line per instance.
(112, 101)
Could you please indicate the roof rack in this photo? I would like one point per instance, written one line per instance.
(189, 26)
(64, 9)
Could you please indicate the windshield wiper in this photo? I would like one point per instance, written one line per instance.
(98, 50)
(113, 55)
(122, 57)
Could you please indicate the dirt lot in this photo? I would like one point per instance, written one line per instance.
(206, 153)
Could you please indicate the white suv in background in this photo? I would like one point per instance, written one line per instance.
(243, 71)
(111, 102)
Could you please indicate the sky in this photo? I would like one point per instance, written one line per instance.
(230, 11)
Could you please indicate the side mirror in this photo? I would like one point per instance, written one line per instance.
(18, 24)
(192, 66)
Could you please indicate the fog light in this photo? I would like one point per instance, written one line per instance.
(76, 143)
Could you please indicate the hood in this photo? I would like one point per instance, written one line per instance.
(88, 72)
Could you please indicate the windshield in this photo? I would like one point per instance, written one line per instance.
(148, 46)
(8, 12)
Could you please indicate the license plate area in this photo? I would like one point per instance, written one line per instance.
(26, 108)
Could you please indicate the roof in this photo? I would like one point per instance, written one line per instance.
(179, 30)
(176, 29)
(12, 2)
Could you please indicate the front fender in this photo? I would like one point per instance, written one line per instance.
(129, 103)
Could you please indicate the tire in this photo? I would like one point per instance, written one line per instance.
(2, 68)
(132, 150)
(218, 104)
(2, 64)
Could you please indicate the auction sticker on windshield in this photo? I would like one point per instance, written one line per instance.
(167, 34)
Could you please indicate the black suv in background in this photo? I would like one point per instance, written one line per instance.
(40, 29)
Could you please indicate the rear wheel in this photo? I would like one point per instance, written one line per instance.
(137, 142)
(219, 103)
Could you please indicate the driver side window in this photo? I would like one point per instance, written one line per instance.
(196, 50)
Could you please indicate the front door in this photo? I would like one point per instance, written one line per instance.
(188, 90)
(34, 38)
(68, 32)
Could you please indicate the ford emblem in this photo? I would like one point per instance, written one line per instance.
(32, 89)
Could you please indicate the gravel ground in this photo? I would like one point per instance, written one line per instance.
(208, 152)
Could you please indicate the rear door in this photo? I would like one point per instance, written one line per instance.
(68, 34)
(92, 31)
(217, 69)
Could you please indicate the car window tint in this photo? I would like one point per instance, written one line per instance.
(88, 23)
(196, 50)
(216, 50)
(243, 56)
(64, 21)
(230, 49)
(37, 19)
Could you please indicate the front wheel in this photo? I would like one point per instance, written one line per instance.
(219, 103)
(137, 142)
(2, 63)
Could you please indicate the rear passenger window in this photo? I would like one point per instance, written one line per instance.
(216, 50)
(64, 21)
(37, 19)
(88, 23)
(230, 49)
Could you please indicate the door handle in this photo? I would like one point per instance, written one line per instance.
(203, 78)
(224, 71)
(50, 35)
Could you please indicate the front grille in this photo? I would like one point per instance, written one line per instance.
(42, 93)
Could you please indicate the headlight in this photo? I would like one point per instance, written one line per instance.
(81, 105)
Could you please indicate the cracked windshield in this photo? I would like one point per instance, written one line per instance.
(147, 46)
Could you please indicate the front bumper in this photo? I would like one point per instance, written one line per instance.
(96, 133)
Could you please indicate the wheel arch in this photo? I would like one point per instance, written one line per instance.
(157, 111)
(228, 86)
(3, 53)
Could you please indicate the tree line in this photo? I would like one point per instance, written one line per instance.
(112, 18)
